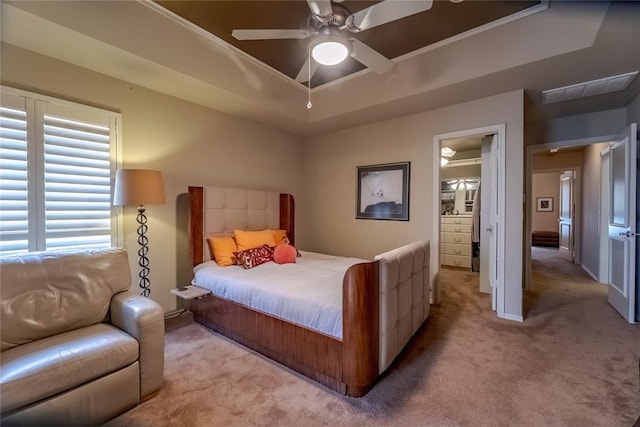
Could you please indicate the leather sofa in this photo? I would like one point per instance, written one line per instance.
(78, 348)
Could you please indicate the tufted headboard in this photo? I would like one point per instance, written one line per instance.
(217, 211)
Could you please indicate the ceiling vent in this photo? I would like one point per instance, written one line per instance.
(594, 87)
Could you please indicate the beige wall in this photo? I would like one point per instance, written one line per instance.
(583, 126)
(590, 227)
(545, 160)
(190, 144)
(330, 181)
(546, 184)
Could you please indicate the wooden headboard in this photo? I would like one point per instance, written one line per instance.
(217, 211)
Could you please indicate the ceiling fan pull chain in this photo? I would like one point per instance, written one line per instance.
(309, 82)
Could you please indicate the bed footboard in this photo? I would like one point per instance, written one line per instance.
(360, 328)
(404, 297)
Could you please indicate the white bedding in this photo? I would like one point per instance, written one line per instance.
(308, 293)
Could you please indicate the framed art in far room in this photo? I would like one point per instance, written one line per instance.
(383, 191)
(544, 204)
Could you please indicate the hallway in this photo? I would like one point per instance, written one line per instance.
(555, 283)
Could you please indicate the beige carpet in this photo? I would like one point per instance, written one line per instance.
(573, 362)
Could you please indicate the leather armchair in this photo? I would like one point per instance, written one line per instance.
(78, 348)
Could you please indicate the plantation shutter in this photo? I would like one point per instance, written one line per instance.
(57, 159)
(14, 206)
(77, 184)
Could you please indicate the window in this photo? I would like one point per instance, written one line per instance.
(57, 160)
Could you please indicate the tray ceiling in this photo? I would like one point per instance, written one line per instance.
(401, 37)
(552, 45)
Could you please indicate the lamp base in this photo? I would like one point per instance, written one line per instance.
(143, 261)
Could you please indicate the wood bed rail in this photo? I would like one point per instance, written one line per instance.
(196, 224)
(287, 217)
(360, 340)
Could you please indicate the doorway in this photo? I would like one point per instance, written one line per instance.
(570, 156)
(591, 252)
(556, 203)
(474, 178)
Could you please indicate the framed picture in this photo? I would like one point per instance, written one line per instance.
(545, 204)
(383, 192)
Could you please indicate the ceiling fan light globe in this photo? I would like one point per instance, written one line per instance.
(329, 52)
(443, 161)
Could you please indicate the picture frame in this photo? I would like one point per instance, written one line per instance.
(383, 191)
(544, 204)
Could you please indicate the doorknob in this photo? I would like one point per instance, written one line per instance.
(490, 229)
(628, 234)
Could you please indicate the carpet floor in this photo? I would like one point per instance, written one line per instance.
(573, 362)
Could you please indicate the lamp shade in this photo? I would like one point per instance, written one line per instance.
(138, 187)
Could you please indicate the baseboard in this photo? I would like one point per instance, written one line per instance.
(513, 317)
(174, 313)
(593, 276)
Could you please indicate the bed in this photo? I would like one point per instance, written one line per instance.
(381, 302)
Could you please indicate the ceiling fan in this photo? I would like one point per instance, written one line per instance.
(328, 28)
(462, 184)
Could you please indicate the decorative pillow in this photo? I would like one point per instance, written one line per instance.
(285, 254)
(253, 239)
(222, 249)
(280, 236)
(254, 256)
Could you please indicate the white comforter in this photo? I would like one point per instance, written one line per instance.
(308, 293)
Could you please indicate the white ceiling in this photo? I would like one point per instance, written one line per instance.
(568, 43)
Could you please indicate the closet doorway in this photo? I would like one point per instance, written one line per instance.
(467, 226)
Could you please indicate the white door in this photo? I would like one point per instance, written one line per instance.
(623, 158)
(487, 226)
(565, 212)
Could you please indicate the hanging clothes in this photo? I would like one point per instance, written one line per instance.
(475, 232)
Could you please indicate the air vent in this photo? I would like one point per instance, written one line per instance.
(594, 87)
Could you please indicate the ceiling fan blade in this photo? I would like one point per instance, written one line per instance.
(269, 34)
(387, 11)
(371, 58)
(303, 74)
(320, 7)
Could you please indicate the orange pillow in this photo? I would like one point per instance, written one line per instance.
(253, 239)
(280, 236)
(222, 249)
(285, 254)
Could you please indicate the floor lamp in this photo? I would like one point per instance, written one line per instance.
(140, 187)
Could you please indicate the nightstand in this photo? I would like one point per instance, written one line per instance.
(190, 292)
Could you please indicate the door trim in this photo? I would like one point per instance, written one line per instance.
(500, 131)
